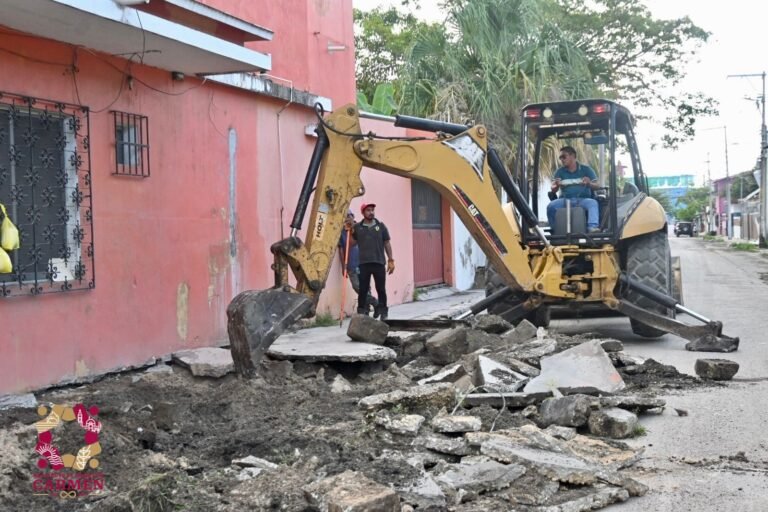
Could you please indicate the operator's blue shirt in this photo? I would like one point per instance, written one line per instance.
(574, 191)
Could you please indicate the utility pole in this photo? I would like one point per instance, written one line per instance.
(711, 226)
(763, 165)
(729, 221)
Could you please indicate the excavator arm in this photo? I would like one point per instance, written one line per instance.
(456, 162)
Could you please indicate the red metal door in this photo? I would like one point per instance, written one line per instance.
(427, 235)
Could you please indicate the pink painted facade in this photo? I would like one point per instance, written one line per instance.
(166, 264)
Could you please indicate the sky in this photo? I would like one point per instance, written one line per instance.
(737, 46)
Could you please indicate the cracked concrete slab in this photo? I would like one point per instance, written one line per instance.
(583, 366)
(301, 346)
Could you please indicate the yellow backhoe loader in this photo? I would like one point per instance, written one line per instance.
(625, 267)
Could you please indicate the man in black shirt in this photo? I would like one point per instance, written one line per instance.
(372, 239)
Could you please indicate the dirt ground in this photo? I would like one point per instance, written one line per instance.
(169, 438)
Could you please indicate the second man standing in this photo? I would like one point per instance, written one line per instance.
(372, 239)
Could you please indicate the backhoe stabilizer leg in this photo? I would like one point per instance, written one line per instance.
(701, 338)
(255, 318)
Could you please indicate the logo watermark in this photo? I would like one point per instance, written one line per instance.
(68, 475)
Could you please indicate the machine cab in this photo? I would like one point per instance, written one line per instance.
(601, 132)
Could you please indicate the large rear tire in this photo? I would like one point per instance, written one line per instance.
(539, 317)
(649, 262)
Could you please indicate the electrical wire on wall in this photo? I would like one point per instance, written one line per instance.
(72, 68)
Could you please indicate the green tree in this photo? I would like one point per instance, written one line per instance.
(383, 38)
(492, 58)
(635, 57)
(383, 101)
(693, 203)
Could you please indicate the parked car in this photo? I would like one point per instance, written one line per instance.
(685, 228)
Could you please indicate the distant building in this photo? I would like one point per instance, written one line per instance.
(674, 187)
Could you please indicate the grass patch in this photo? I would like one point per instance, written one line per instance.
(744, 246)
(712, 238)
(325, 320)
(416, 294)
(639, 431)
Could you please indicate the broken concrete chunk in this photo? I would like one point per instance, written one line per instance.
(624, 359)
(532, 490)
(600, 498)
(420, 368)
(481, 477)
(366, 329)
(564, 433)
(492, 324)
(480, 339)
(424, 493)
(716, 369)
(206, 362)
(300, 346)
(533, 350)
(526, 369)
(634, 403)
(447, 345)
(566, 411)
(443, 444)
(513, 400)
(160, 367)
(254, 462)
(351, 492)
(495, 377)
(248, 474)
(464, 384)
(586, 365)
(405, 424)
(451, 374)
(25, 401)
(340, 385)
(523, 331)
(413, 346)
(611, 345)
(557, 466)
(456, 424)
(612, 422)
(435, 395)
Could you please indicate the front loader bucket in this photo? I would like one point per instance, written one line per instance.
(255, 320)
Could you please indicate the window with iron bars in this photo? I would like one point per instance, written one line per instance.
(131, 144)
(45, 184)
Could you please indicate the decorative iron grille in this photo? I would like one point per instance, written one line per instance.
(45, 184)
(131, 144)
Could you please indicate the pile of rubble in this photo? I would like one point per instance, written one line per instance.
(478, 417)
(492, 417)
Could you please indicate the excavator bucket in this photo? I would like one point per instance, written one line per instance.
(256, 318)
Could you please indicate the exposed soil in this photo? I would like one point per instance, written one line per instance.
(169, 438)
(173, 437)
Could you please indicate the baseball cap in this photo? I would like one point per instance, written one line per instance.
(366, 205)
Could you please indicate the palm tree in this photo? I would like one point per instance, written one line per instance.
(492, 58)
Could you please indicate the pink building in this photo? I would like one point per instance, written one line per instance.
(150, 155)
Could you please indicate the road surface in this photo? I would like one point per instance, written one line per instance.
(692, 463)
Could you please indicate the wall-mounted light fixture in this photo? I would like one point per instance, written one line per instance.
(335, 47)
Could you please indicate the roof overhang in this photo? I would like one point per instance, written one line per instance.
(108, 27)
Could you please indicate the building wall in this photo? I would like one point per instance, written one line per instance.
(467, 255)
(166, 265)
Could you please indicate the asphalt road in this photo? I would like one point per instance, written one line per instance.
(690, 462)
